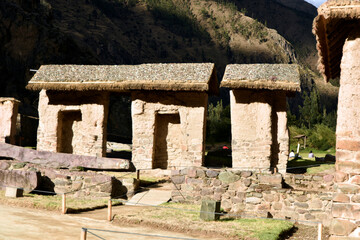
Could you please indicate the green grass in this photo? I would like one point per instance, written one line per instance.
(305, 161)
(173, 215)
(54, 203)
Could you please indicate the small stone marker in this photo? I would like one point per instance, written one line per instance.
(209, 208)
(14, 192)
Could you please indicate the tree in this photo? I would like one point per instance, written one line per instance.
(310, 113)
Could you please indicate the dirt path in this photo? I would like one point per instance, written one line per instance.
(24, 223)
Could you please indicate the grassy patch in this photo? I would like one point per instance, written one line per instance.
(172, 215)
(54, 203)
(304, 161)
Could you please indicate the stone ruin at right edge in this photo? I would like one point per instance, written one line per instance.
(337, 30)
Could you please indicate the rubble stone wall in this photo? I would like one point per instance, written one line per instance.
(8, 113)
(168, 129)
(260, 139)
(250, 193)
(73, 122)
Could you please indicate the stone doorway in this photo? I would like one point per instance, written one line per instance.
(68, 122)
(167, 140)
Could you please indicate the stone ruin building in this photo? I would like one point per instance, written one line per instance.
(337, 30)
(169, 106)
(8, 113)
(260, 138)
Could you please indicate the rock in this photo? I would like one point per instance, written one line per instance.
(301, 205)
(246, 174)
(328, 178)
(19, 165)
(200, 173)
(4, 165)
(302, 198)
(210, 210)
(212, 174)
(340, 197)
(277, 206)
(247, 182)
(207, 191)
(315, 204)
(342, 227)
(253, 200)
(355, 180)
(355, 198)
(270, 179)
(343, 210)
(178, 179)
(341, 176)
(308, 216)
(28, 180)
(228, 177)
(348, 188)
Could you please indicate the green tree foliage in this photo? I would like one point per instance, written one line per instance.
(310, 111)
(218, 123)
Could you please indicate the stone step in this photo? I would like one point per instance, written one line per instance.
(150, 197)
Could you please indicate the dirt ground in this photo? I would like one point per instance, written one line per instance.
(24, 223)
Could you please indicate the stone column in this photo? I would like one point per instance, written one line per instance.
(282, 131)
(346, 206)
(8, 116)
(251, 128)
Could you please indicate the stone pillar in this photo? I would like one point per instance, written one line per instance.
(73, 122)
(251, 128)
(8, 116)
(282, 140)
(168, 129)
(346, 202)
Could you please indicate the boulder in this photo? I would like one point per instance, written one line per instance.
(210, 210)
(28, 180)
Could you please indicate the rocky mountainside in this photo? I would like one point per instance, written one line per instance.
(39, 32)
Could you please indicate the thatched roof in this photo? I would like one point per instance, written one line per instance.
(5, 99)
(262, 76)
(166, 77)
(335, 20)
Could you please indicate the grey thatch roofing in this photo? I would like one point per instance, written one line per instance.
(166, 77)
(5, 99)
(262, 76)
(335, 20)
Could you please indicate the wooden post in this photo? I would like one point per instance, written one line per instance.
(83, 234)
(109, 209)
(138, 174)
(320, 231)
(63, 210)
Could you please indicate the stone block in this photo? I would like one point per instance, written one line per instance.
(343, 210)
(253, 200)
(328, 178)
(14, 192)
(210, 210)
(228, 177)
(348, 145)
(301, 205)
(178, 179)
(246, 174)
(200, 173)
(212, 174)
(342, 227)
(355, 180)
(355, 198)
(348, 188)
(340, 197)
(277, 206)
(270, 179)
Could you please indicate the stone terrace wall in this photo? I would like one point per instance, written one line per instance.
(254, 194)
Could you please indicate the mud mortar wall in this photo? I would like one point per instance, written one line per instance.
(73, 123)
(168, 129)
(258, 194)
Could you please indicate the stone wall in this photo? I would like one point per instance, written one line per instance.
(8, 113)
(73, 122)
(255, 194)
(168, 129)
(260, 139)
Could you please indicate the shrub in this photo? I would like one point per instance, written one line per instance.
(322, 137)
